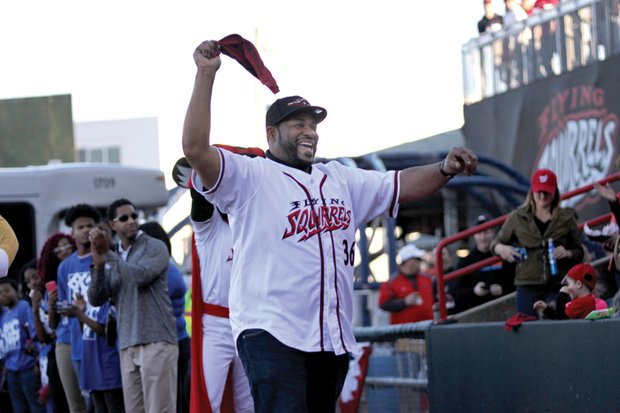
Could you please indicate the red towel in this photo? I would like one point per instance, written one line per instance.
(516, 321)
(246, 54)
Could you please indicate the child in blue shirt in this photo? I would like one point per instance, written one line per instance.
(42, 329)
(101, 369)
(19, 351)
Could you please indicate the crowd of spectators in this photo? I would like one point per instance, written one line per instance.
(544, 258)
(61, 346)
(61, 350)
(538, 42)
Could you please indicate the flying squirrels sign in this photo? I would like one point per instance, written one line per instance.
(578, 138)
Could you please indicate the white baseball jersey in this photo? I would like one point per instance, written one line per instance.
(294, 241)
(215, 254)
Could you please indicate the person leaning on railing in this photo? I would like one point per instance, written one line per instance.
(524, 239)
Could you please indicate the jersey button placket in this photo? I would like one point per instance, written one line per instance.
(331, 297)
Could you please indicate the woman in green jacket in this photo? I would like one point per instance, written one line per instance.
(524, 239)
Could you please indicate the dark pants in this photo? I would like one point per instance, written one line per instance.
(24, 391)
(108, 401)
(183, 370)
(527, 295)
(283, 379)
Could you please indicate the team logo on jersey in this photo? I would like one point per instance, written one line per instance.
(11, 335)
(308, 219)
(92, 313)
(78, 284)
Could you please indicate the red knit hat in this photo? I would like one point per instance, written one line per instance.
(544, 180)
(584, 273)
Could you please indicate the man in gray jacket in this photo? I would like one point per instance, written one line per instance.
(135, 277)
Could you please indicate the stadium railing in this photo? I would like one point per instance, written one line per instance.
(572, 34)
(442, 278)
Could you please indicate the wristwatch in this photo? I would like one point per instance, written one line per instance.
(443, 172)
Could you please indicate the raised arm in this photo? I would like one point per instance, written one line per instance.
(197, 127)
(35, 300)
(420, 181)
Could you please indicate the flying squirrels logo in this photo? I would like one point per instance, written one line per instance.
(577, 138)
(308, 218)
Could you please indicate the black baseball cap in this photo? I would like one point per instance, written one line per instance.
(481, 219)
(285, 107)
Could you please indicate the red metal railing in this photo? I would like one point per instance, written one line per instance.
(442, 278)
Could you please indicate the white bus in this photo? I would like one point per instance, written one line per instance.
(34, 199)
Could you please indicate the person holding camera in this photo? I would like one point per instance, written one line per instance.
(73, 279)
(489, 282)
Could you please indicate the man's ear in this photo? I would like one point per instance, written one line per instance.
(272, 133)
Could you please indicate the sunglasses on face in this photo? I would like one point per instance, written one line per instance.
(125, 218)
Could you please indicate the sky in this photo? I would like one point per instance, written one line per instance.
(387, 72)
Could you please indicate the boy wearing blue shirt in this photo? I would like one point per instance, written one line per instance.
(73, 280)
(101, 368)
(17, 326)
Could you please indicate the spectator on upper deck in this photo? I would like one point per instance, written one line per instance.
(531, 6)
(514, 13)
(491, 21)
(530, 227)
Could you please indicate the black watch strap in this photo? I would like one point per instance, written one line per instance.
(443, 172)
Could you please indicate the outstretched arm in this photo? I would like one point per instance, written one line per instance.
(420, 181)
(197, 127)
